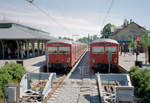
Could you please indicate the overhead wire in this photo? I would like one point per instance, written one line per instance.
(107, 13)
(47, 14)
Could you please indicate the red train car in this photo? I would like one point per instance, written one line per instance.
(62, 54)
(99, 50)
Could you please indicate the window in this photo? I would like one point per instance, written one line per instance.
(52, 50)
(96, 50)
(112, 49)
(64, 49)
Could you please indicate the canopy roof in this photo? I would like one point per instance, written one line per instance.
(17, 31)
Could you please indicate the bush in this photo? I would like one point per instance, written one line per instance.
(9, 73)
(15, 70)
(141, 80)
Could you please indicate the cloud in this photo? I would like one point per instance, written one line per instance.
(58, 23)
(36, 18)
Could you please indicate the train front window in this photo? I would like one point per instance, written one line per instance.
(52, 50)
(112, 49)
(97, 50)
(64, 50)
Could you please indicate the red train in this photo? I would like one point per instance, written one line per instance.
(99, 50)
(62, 54)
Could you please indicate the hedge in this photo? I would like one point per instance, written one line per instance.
(9, 73)
(141, 81)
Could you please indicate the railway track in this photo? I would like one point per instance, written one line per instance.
(80, 86)
(88, 91)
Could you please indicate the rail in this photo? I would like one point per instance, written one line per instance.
(61, 80)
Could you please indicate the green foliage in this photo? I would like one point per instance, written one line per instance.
(94, 37)
(145, 38)
(106, 32)
(133, 44)
(5, 78)
(86, 39)
(15, 70)
(66, 38)
(8, 73)
(83, 40)
(141, 80)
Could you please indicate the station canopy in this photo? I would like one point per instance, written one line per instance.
(12, 31)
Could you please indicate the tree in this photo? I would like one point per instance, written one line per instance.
(106, 32)
(10, 73)
(67, 38)
(133, 44)
(141, 81)
(94, 37)
(59, 37)
(83, 40)
(145, 41)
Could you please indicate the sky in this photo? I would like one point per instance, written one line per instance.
(75, 18)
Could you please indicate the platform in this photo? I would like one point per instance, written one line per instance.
(126, 61)
(31, 64)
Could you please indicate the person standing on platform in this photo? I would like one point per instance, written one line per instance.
(9, 53)
(22, 52)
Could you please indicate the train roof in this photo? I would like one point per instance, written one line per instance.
(60, 41)
(63, 41)
(105, 40)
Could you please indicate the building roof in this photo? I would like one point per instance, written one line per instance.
(120, 29)
(19, 32)
(128, 31)
(105, 40)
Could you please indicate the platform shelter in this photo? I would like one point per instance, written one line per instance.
(20, 41)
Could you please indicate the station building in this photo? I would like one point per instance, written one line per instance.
(20, 41)
(129, 31)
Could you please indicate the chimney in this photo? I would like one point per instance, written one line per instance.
(131, 21)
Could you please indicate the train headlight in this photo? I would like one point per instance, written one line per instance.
(68, 60)
(115, 60)
(93, 60)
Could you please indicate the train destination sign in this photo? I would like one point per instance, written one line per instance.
(58, 44)
(108, 44)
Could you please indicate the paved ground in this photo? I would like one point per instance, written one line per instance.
(31, 64)
(128, 60)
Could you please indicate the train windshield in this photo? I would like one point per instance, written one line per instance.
(52, 50)
(111, 49)
(96, 50)
(64, 50)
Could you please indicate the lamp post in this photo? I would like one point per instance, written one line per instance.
(88, 41)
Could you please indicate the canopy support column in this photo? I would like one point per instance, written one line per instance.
(45, 46)
(3, 50)
(38, 48)
(33, 47)
(18, 49)
(42, 47)
(27, 47)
